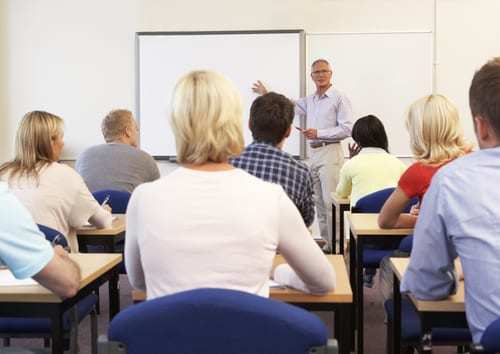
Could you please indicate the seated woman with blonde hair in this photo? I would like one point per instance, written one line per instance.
(436, 138)
(208, 224)
(55, 194)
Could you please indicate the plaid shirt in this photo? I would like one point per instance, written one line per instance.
(271, 164)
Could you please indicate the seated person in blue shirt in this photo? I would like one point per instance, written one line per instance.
(460, 216)
(24, 250)
(271, 117)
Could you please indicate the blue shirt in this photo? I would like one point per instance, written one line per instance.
(330, 114)
(23, 247)
(271, 164)
(460, 215)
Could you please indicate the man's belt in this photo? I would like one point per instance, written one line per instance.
(316, 145)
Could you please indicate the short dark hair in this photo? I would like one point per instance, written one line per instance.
(270, 117)
(368, 131)
(484, 94)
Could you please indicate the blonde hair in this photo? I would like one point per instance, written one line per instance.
(114, 124)
(206, 118)
(33, 148)
(435, 131)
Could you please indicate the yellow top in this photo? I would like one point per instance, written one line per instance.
(371, 170)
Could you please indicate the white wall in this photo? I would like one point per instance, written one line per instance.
(76, 58)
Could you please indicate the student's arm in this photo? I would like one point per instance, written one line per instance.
(392, 216)
(307, 207)
(102, 218)
(133, 263)
(61, 275)
(431, 273)
(308, 269)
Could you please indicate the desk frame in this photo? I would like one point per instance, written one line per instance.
(342, 208)
(356, 249)
(55, 310)
(429, 319)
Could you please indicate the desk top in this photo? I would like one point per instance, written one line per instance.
(454, 303)
(92, 266)
(341, 294)
(337, 201)
(367, 224)
(117, 227)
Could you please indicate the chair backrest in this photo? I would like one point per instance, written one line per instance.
(118, 200)
(53, 236)
(216, 321)
(373, 203)
(491, 338)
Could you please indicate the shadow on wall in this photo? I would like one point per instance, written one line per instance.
(5, 141)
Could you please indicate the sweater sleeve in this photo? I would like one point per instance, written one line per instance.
(132, 252)
(309, 270)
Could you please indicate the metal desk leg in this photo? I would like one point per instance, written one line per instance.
(396, 325)
(359, 293)
(57, 331)
(114, 295)
(334, 229)
(352, 280)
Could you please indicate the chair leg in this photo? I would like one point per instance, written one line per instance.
(73, 342)
(46, 342)
(93, 331)
(6, 342)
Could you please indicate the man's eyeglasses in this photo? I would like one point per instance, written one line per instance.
(319, 72)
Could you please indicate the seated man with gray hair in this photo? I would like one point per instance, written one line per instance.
(119, 164)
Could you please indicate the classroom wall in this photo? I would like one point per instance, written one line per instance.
(77, 58)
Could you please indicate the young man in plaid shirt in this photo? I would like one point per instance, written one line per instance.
(271, 117)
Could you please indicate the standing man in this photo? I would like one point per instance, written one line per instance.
(460, 217)
(328, 114)
(119, 164)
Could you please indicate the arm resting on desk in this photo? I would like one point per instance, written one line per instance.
(392, 216)
(101, 219)
(311, 268)
(61, 275)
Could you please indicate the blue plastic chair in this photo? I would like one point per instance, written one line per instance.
(118, 200)
(373, 203)
(490, 341)
(215, 321)
(411, 328)
(26, 327)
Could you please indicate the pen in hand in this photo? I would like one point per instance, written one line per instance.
(105, 201)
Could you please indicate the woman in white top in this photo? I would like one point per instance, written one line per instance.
(208, 224)
(55, 194)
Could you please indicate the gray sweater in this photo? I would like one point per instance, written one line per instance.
(116, 166)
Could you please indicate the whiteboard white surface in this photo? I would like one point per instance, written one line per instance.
(381, 73)
(242, 57)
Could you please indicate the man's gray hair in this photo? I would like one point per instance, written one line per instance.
(321, 60)
(114, 124)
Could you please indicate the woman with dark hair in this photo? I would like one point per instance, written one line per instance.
(370, 168)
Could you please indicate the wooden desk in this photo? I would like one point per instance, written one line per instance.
(339, 206)
(338, 301)
(37, 301)
(364, 228)
(442, 313)
(108, 238)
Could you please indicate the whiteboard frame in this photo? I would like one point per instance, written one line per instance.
(302, 71)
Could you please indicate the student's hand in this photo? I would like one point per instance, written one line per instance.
(259, 88)
(107, 208)
(354, 149)
(415, 209)
(311, 133)
(60, 251)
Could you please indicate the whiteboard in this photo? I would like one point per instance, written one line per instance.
(275, 57)
(381, 73)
